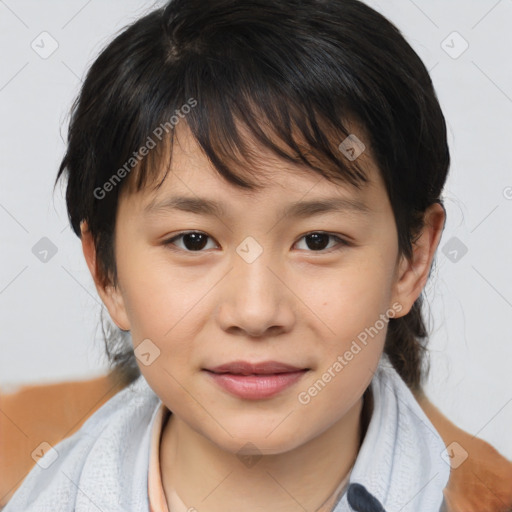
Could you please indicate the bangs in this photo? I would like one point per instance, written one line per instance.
(237, 107)
(233, 133)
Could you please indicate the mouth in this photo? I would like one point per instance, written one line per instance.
(262, 368)
(256, 382)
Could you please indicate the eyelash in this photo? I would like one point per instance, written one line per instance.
(341, 242)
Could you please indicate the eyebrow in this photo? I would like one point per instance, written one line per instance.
(204, 206)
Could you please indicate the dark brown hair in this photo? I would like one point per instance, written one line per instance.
(293, 74)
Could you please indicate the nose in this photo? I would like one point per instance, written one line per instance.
(255, 299)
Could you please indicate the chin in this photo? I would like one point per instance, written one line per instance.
(258, 442)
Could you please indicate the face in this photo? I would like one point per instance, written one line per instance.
(313, 289)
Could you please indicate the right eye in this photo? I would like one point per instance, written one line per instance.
(193, 241)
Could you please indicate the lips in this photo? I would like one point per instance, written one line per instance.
(262, 368)
(255, 381)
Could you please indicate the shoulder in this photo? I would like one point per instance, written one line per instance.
(91, 455)
(401, 449)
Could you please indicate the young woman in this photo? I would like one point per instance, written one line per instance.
(257, 187)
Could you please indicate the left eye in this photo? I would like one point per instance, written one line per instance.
(195, 241)
(318, 240)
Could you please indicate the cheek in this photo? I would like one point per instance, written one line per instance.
(351, 335)
(348, 299)
(156, 295)
(166, 306)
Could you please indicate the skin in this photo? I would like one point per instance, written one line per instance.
(294, 303)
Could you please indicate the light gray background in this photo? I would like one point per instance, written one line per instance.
(49, 312)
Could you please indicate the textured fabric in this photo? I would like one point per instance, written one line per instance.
(399, 464)
(105, 465)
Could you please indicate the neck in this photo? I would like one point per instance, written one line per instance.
(206, 477)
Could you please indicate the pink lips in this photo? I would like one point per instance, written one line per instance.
(246, 368)
(255, 380)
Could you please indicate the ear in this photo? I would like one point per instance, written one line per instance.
(412, 276)
(110, 295)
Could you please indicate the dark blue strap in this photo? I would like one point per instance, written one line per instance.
(361, 500)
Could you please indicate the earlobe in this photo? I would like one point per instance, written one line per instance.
(110, 295)
(412, 275)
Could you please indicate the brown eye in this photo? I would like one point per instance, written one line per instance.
(193, 241)
(319, 241)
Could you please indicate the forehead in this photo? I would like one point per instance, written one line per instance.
(191, 182)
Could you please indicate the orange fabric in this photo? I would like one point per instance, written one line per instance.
(44, 412)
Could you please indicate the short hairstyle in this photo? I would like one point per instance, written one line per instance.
(293, 74)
